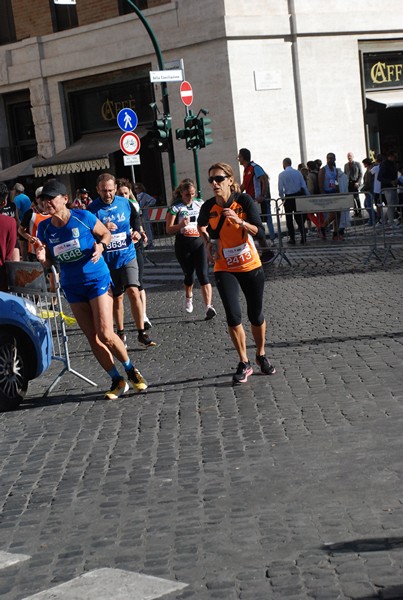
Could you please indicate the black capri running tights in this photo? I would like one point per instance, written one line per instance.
(192, 257)
(229, 286)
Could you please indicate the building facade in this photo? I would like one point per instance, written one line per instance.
(282, 77)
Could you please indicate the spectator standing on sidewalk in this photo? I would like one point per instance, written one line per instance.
(368, 189)
(228, 222)
(8, 238)
(146, 201)
(85, 197)
(344, 215)
(190, 252)
(291, 183)
(82, 199)
(303, 169)
(312, 178)
(387, 176)
(353, 172)
(313, 186)
(377, 186)
(21, 200)
(22, 203)
(328, 184)
(8, 208)
(255, 182)
(77, 240)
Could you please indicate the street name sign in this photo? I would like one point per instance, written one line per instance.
(166, 76)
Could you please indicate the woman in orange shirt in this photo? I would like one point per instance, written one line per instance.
(228, 222)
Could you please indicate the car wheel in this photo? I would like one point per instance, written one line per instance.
(13, 372)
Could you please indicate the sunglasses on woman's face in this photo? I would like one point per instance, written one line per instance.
(217, 178)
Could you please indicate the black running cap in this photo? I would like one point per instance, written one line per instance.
(53, 188)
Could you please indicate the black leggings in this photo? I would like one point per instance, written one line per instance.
(140, 261)
(191, 256)
(291, 214)
(251, 283)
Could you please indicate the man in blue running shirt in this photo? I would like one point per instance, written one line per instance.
(120, 216)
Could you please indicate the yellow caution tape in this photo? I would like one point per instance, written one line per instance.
(51, 314)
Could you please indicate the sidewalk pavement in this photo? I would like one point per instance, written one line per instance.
(287, 488)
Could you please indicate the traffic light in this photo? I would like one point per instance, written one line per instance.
(190, 133)
(195, 131)
(182, 134)
(160, 132)
(205, 132)
(192, 126)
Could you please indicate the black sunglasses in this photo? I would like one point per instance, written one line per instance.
(217, 178)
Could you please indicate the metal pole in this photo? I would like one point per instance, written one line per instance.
(197, 171)
(189, 113)
(164, 90)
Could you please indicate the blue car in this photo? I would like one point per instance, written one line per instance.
(25, 348)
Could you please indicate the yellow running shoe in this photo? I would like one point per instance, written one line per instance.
(118, 387)
(137, 380)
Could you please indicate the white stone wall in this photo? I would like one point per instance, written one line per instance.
(266, 119)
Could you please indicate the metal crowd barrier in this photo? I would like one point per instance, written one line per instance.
(28, 280)
(364, 233)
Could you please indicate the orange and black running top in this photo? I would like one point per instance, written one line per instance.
(236, 250)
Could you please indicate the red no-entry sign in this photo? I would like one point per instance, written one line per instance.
(186, 93)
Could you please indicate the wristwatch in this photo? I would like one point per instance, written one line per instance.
(104, 246)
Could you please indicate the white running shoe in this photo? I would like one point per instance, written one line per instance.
(189, 304)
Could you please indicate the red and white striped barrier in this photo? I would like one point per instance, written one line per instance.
(157, 214)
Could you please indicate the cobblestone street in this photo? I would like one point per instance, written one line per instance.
(287, 488)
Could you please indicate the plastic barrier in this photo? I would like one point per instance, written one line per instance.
(28, 279)
(157, 217)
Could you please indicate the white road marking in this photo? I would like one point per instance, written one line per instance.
(104, 584)
(7, 559)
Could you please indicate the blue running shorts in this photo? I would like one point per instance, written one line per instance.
(83, 292)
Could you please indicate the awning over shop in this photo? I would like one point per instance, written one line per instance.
(388, 98)
(22, 169)
(89, 153)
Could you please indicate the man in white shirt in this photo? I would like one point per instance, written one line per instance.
(291, 184)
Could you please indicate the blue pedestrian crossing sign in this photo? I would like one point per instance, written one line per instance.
(127, 119)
